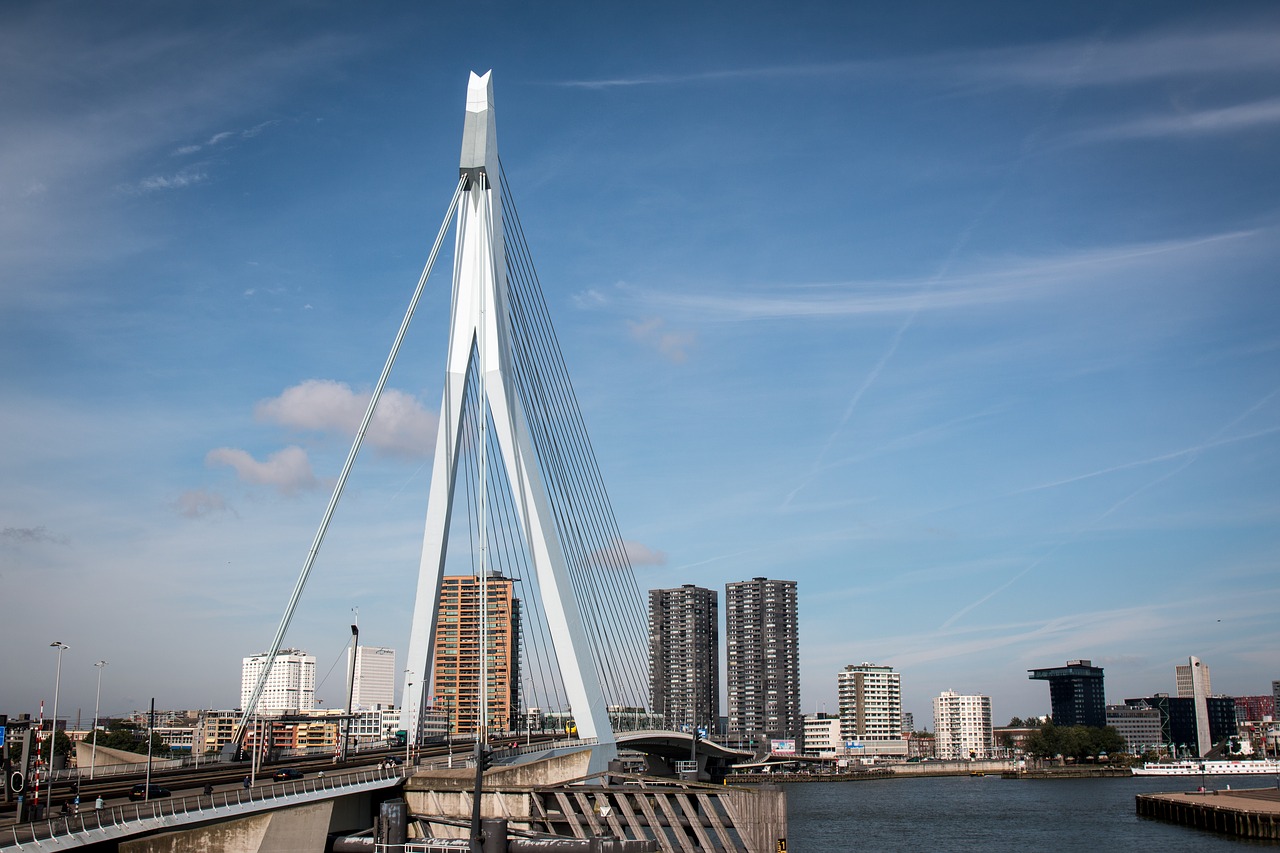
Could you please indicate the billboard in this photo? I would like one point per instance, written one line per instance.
(783, 747)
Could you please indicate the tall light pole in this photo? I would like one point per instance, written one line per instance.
(408, 686)
(57, 683)
(93, 754)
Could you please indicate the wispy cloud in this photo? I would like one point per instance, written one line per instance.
(642, 555)
(223, 136)
(1190, 123)
(177, 181)
(198, 503)
(673, 345)
(1098, 60)
(31, 536)
(997, 283)
(288, 471)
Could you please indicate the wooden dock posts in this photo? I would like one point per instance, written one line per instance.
(1248, 813)
(678, 817)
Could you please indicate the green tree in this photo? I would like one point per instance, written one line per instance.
(130, 737)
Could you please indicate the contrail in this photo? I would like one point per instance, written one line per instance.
(960, 243)
(1192, 454)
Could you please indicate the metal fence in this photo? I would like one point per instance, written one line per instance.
(92, 825)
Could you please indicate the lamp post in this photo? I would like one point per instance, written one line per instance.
(57, 683)
(93, 753)
(407, 739)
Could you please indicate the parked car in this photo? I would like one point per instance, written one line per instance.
(140, 792)
(286, 774)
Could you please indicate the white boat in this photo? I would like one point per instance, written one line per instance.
(1196, 767)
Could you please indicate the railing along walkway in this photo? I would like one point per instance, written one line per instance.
(66, 832)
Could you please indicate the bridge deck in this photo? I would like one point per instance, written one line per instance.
(116, 822)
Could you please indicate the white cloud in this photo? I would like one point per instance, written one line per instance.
(672, 345)
(642, 555)
(287, 471)
(197, 503)
(401, 425)
(180, 180)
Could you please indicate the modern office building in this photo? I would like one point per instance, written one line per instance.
(1076, 694)
(1139, 724)
(762, 656)
(1186, 674)
(962, 726)
(684, 657)
(908, 723)
(1178, 723)
(455, 673)
(374, 683)
(290, 687)
(871, 708)
(822, 735)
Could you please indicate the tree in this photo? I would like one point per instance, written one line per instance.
(1076, 742)
(129, 737)
(1016, 723)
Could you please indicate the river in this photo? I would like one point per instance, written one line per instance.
(991, 814)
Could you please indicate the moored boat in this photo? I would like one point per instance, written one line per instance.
(1196, 767)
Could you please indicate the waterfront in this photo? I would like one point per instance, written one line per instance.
(991, 814)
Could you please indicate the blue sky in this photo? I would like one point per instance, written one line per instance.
(963, 318)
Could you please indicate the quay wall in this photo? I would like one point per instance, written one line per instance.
(1252, 814)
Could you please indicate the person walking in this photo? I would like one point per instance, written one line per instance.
(246, 783)
(99, 804)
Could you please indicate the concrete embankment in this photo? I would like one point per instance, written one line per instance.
(1248, 813)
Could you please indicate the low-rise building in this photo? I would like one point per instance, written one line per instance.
(1138, 724)
(822, 735)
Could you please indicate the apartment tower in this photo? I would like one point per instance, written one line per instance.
(871, 709)
(684, 648)
(455, 672)
(291, 686)
(762, 656)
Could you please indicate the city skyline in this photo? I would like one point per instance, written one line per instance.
(963, 318)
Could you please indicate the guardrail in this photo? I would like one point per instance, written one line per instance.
(93, 825)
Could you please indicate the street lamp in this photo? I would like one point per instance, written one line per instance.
(407, 739)
(93, 753)
(57, 683)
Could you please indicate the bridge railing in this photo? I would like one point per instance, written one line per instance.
(91, 825)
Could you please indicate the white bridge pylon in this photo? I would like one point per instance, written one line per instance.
(480, 329)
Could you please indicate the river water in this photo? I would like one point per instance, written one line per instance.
(991, 814)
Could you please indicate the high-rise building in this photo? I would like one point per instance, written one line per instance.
(684, 657)
(762, 656)
(908, 723)
(1076, 693)
(1185, 675)
(871, 708)
(962, 726)
(374, 682)
(455, 673)
(1196, 677)
(290, 687)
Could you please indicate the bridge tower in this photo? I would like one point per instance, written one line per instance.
(480, 337)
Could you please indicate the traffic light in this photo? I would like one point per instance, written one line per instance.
(484, 757)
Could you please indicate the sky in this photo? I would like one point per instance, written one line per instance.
(962, 316)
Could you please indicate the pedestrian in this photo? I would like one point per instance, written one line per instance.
(246, 783)
(208, 790)
(99, 804)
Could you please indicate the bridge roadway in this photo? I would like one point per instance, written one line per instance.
(121, 818)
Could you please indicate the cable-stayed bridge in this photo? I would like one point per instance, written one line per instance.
(516, 494)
